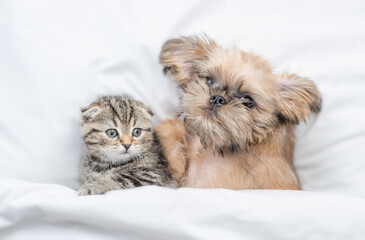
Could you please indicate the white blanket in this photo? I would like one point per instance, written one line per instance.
(45, 211)
(58, 56)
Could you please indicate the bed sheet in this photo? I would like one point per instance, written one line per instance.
(48, 211)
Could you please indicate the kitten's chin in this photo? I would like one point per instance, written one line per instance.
(125, 157)
(119, 157)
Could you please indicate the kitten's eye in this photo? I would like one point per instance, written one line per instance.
(112, 133)
(247, 101)
(136, 132)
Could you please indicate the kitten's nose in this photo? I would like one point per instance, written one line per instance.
(126, 146)
(217, 100)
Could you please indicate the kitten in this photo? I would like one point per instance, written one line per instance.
(121, 150)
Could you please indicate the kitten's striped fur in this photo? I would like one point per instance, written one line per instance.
(108, 162)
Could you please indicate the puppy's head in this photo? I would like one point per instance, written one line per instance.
(231, 98)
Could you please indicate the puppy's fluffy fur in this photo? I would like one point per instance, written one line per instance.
(243, 140)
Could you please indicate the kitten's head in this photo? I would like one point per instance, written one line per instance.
(116, 129)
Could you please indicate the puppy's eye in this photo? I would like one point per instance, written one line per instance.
(208, 79)
(112, 133)
(136, 132)
(247, 101)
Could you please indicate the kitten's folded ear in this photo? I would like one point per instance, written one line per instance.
(90, 112)
(146, 110)
(298, 97)
(179, 55)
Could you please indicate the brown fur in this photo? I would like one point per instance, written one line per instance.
(232, 146)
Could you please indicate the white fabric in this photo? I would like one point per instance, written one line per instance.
(58, 56)
(44, 211)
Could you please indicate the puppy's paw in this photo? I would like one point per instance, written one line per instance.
(171, 134)
(171, 130)
(91, 189)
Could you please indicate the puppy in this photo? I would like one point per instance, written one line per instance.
(238, 117)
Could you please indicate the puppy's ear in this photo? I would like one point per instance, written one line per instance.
(178, 56)
(298, 97)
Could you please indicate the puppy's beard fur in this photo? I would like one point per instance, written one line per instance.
(225, 128)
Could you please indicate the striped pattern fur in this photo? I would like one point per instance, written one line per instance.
(117, 156)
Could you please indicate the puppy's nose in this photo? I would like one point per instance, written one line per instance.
(217, 100)
(126, 146)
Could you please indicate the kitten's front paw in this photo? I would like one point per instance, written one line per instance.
(91, 189)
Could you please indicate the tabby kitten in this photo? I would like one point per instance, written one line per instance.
(121, 150)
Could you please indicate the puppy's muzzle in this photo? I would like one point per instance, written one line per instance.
(217, 100)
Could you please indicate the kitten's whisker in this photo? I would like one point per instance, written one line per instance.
(141, 159)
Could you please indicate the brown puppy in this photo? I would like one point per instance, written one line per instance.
(239, 117)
